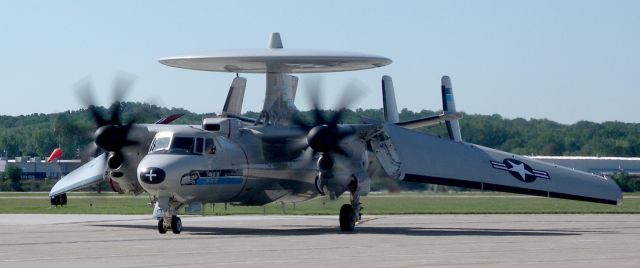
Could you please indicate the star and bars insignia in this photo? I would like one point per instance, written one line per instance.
(520, 170)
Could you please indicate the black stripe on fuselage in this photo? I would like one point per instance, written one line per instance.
(501, 188)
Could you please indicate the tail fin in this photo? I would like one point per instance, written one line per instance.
(449, 114)
(294, 86)
(389, 101)
(233, 104)
(449, 106)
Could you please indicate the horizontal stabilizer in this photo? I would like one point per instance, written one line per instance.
(430, 121)
(243, 118)
(235, 97)
(428, 159)
(86, 175)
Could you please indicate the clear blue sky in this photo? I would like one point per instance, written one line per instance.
(562, 60)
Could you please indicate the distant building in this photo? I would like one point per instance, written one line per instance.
(597, 165)
(38, 168)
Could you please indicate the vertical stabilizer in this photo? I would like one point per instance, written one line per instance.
(233, 104)
(294, 86)
(389, 101)
(449, 106)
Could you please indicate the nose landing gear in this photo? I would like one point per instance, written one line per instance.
(174, 223)
(166, 211)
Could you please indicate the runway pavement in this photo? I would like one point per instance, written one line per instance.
(315, 241)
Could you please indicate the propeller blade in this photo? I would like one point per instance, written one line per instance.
(350, 94)
(313, 85)
(121, 86)
(323, 134)
(297, 120)
(84, 91)
(97, 116)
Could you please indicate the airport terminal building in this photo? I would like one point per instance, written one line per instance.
(596, 165)
(38, 168)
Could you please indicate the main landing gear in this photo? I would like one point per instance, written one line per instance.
(174, 223)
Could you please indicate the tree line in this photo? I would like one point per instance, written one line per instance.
(39, 134)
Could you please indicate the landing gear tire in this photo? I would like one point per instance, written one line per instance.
(347, 218)
(319, 186)
(176, 224)
(161, 227)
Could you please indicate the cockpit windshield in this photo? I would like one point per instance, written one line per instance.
(182, 145)
(175, 144)
(160, 144)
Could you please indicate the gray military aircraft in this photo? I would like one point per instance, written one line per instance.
(281, 156)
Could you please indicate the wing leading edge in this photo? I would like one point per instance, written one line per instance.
(428, 159)
(88, 174)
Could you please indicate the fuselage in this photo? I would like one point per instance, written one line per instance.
(194, 165)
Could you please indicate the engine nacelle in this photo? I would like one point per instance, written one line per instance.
(115, 161)
(339, 176)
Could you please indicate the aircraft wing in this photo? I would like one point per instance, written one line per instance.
(88, 174)
(428, 159)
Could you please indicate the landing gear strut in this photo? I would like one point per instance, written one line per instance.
(350, 213)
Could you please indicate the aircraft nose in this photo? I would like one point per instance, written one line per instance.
(152, 175)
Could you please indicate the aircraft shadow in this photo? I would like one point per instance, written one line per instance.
(298, 230)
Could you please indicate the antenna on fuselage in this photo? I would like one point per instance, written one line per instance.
(274, 41)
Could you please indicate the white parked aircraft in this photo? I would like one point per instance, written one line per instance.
(280, 156)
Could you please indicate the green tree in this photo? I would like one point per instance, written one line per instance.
(13, 173)
(626, 183)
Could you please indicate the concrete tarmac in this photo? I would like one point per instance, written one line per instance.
(315, 241)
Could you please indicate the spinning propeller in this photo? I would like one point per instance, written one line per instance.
(324, 135)
(111, 133)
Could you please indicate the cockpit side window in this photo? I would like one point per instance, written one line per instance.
(199, 142)
(209, 146)
(182, 143)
